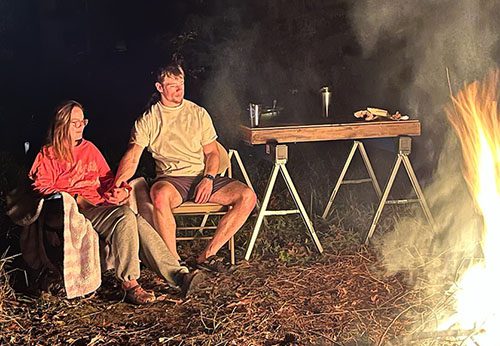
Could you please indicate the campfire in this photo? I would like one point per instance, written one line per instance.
(475, 118)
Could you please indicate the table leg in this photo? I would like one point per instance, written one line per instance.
(418, 191)
(370, 170)
(371, 173)
(340, 179)
(262, 210)
(384, 198)
(298, 203)
(402, 157)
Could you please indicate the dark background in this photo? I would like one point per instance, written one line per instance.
(102, 53)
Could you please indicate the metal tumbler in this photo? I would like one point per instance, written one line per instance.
(326, 98)
(255, 110)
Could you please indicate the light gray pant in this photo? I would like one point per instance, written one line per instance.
(133, 239)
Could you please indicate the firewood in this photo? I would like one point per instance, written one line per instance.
(378, 111)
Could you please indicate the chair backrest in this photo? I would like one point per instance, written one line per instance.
(224, 161)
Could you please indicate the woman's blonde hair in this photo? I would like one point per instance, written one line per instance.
(58, 137)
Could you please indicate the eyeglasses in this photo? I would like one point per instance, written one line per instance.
(79, 123)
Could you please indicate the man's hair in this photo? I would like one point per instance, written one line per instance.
(172, 69)
(58, 136)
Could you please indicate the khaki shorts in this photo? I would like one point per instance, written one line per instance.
(186, 185)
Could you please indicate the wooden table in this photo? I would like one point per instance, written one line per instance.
(276, 138)
(329, 132)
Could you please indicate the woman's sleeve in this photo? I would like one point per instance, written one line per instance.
(44, 173)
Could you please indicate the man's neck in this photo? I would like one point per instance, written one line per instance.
(170, 103)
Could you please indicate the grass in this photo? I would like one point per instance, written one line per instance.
(287, 294)
(7, 294)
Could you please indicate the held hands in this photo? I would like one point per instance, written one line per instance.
(117, 195)
(203, 191)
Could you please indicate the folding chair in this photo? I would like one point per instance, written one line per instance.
(140, 202)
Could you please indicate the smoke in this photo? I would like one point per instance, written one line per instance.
(422, 39)
(225, 45)
(407, 47)
(224, 92)
(263, 51)
(426, 38)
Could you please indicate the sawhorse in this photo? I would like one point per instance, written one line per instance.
(372, 178)
(278, 154)
(404, 150)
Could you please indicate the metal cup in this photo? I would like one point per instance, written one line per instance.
(255, 110)
(326, 97)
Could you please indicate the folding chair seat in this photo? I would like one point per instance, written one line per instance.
(140, 201)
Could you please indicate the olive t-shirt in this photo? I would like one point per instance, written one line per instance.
(175, 136)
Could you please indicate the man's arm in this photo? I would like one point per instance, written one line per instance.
(212, 158)
(128, 164)
(205, 186)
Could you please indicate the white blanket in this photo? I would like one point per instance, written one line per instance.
(82, 268)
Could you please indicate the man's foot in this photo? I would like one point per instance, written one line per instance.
(138, 295)
(191, 281)
(214, 264)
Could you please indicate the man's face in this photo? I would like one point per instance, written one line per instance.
(171, 90)
(77, 124)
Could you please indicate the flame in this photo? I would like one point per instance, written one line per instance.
(475, 118)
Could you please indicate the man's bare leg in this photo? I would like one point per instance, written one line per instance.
(165, 197)
(242, 199)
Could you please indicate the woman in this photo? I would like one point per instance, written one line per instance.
(69, 163)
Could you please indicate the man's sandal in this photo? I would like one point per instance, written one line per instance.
(190, 282)
(214, 264)
(139, 296)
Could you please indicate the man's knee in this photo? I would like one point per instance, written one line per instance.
(248, 197)
(165, 196)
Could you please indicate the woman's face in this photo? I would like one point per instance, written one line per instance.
(77, 124)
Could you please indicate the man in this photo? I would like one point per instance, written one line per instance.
(181, 137)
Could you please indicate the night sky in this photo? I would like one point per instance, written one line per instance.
(102, 53)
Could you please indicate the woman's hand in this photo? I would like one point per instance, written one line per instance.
(117, 195)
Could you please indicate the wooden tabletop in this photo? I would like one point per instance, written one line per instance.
(329, 132)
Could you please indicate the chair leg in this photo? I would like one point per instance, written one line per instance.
(231, 250)
(203, 223)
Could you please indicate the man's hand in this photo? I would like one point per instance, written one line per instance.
(117, 195)
(203, 191)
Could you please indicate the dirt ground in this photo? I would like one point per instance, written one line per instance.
(334, 300)
(287, 294)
